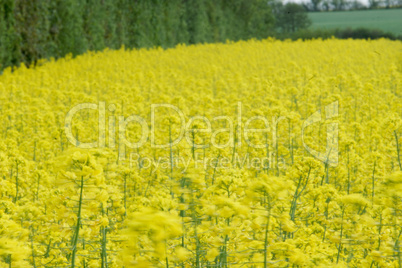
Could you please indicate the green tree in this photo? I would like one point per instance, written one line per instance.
(31, 30)
(9, 51)
(72, 33)
(316, 4)
(374, 4)
(292, 17)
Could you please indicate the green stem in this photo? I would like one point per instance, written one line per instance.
(266, 239)
(16, 182)
(340, 238)
(77, 228)
(397, 150)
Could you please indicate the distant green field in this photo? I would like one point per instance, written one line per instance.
(389, 20)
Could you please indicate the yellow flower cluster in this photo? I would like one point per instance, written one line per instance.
(248, 154)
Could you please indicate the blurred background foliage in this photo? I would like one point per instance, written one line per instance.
(34, 29)
(31, 30)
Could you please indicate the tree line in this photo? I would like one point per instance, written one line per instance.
(35, 29)
(336, 5)
(31, 30)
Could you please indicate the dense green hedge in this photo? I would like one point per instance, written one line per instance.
(36, 29)
(348, 33)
